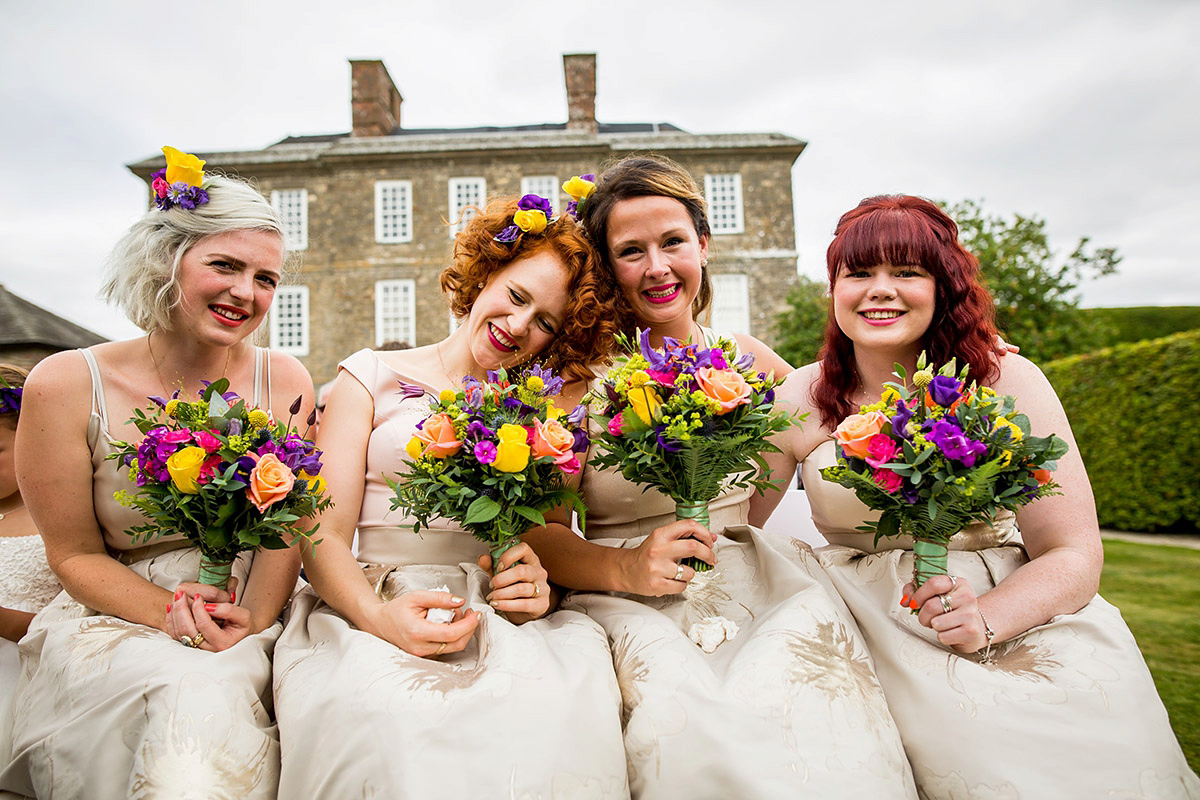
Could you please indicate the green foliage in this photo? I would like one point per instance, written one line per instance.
(800, 330)
(1156, 589)
(1138, 323)
(1133, 412)
(1034, 292)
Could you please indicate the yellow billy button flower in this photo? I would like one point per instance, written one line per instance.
(447, 397)
(172, 408)
(890, 395)
(183, 167)
(923, 377)
(258, 418)
(579, 188)
(639, 378)
(535, 383)
(512, 452)
(530, 220)
(184, 468)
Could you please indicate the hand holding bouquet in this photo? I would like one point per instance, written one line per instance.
(937, 457)
(492, 457)
(227, 477)
(689, 421)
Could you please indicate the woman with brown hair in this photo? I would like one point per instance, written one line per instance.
(505, 699)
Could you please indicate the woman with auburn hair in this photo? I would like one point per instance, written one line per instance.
(505, 699)
(748, 681)
(137, 681)
(1009, 677)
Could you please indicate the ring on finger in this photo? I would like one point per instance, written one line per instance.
(953, 583)
(946, 606)
(186, 641)
(679, 571)
(536, 591)
(441, 648)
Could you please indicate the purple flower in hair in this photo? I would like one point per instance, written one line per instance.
(533, 202)
(509, 234)
(10, 399)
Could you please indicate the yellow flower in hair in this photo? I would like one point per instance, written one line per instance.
(530, 221)
(579, 188)
(183, 167)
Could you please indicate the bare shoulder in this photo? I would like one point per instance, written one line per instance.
(796, 389)
(289, 375)
(765, 359)
(1020, 376)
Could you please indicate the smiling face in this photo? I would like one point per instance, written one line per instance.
(518, 311)
(657, 255)
(885, 306)
(226, 284)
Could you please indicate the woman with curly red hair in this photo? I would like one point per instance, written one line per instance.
(1009, 676)
(502, 699)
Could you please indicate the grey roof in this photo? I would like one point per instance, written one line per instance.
(22, 322)
(619, 138)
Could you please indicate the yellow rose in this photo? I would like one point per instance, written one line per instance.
(645, 403)
(316, 485)
(579, 188)
(512, 453)
(414, 448)
(184, 167)
(530, 220)
(1002, 423)
(184, 467)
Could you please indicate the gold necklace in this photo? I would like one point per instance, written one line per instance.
(163, 383)
(445, 373)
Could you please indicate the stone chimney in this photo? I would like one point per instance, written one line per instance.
(580, 71)
(375, 100)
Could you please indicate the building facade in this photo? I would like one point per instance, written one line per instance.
(371, 213)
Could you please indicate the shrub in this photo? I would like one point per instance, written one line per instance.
(1133, 411)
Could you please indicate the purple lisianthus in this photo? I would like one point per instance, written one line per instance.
(10, 399)
(477, 430)
(657, 360)
(668, 445)
(954, 444)
(485, 451)
(944, 390)
(900, 420)
(745, 361)
(509, 234)
(582, 441)
(577, 415)
(533, 202)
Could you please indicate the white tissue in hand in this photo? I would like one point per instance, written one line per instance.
(710, 632)
(442, 615)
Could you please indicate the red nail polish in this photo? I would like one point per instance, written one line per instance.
(233, 596)
(178, 593)
(913, 605)
(168, 608)
(210, 606)
(904, 601)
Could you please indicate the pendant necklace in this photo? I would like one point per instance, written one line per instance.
(11, 510)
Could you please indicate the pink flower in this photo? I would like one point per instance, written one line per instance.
(615, 424)
(210, 443)
(570, 467)
(856, 430)
(665, 378)
(160, 187)
(881, 449)
(889, 481)
(177, 437)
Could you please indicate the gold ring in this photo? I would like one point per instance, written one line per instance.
(441, 647)
(536, 590)
(198, 639)
(186, 641)
(946, 607)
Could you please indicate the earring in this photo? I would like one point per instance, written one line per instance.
(479, 285)
(704, 263)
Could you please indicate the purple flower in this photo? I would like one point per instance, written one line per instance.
(657, 360)
(577, 415)
(485, 451)
(552, 383)
(509, 234)
(477, 430)
(716, 357)
(582, 441)
(573, 208)
(668, 445)
(533, 202)
(160, 175)
(954, 444)
(745, 361)
(900, 420)
(235, 427)
(10, 399)
(410, 391)
(944, 390)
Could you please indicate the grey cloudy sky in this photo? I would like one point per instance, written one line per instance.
(1084, 112)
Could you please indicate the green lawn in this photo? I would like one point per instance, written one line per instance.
(1157, 588)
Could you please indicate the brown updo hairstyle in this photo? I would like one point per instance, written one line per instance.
(907, 230)
(589, 325)
(13, 377)
(646, 176)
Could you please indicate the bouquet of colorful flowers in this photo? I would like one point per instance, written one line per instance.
(492, 456)
(227, 477)
(937, 457)
(689, 421)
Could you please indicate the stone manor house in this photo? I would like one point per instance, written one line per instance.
(370, 211)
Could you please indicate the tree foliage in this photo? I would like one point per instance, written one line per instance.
(800, 328)
(1035, 291)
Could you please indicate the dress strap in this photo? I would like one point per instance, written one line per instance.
(99, 407)
(261, 355)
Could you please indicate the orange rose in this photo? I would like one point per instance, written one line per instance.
(437, 434)
(1042, 476)
(856, 431)
(726, 386)
(550, 438)
(270, 482)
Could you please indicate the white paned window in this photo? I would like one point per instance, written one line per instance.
(724, 196)
(289, 320)
(465, 192)
(731, 304)
(393, 211)
(543, 186)
(395, 311)
(292, 205)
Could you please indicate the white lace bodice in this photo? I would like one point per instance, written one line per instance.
(26, 582)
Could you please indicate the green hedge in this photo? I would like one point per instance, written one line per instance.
(1133, 409)
(1138, 323)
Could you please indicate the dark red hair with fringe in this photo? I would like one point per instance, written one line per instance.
(907, 230)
